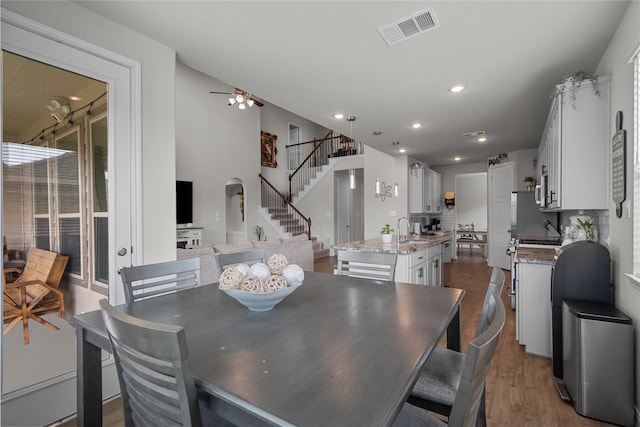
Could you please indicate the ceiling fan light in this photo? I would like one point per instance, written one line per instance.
(241, 106)
(232, 100)
(250, 102)
(240, 98)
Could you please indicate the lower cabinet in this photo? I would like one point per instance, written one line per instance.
(533, 308)
(423, 267)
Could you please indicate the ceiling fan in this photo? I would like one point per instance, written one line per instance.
(240, 98)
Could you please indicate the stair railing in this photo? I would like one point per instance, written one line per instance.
(318, 152)
(271, 198)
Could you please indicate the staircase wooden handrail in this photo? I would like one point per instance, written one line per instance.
(285, 200)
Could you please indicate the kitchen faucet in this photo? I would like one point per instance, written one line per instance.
(398, 228)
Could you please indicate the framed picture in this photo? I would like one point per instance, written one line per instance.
(268, 149)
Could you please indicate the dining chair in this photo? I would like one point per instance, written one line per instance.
(245, 257)
(155, 376)
(470, 391)
(144, 281)
(439, 380)
(35, 292)
(370, 265)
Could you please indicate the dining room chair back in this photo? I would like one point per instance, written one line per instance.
(149, 280)
(438, 383)
(153, 368)
(370, 265)
(469, 395)
(35, 292)
(496, 284)
(250, 256)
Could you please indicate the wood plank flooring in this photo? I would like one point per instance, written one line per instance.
(520, 388)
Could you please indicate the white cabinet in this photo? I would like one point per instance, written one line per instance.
(189, 236)
(434, 266)
(533, 308)
(423, 267)
(412, 268)
(433, 187)
(416, 192)
(574, 151)
(425, 191)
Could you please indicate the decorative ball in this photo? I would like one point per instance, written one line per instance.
(243, 268)
(274, 283)
(231, 278)
(293, 274)
(252, 284)
(277, 263)
(259, 270)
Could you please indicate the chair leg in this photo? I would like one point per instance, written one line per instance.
(481, 421)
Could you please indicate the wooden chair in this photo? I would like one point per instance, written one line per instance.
(155, 376)
(35, 293)
(245, 257)
(440, 378)
(371, 265)
(470, 390)
(145, 281)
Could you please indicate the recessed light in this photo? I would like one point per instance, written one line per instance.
(377, 132)
(482, 139)
(416, 125)
(402, 150)
(457, 158)
(338, 116)
(75, 98)
(457, 88)
(395, 143)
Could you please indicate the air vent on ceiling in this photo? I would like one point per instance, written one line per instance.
(472, 134)
(406, 28)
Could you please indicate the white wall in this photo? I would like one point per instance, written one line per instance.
(215, 143)
(616, 63)
(390, 170)
(158, 110)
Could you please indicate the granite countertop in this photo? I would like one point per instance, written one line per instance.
(376, 245)
(536, 255)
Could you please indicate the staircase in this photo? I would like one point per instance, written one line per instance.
(280, 208)
(290, 224)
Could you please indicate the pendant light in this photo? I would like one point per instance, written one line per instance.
(352, 179)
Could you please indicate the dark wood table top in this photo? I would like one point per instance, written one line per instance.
(338, 351)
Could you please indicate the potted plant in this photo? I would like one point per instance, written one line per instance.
(586, 225)
(573, 82)
(530, 181)
(387, 233)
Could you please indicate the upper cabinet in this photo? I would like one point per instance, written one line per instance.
(425, 191)
(573, 157)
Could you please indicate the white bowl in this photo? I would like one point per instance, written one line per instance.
(260, 302)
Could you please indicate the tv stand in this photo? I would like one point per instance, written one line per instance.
(191, 236)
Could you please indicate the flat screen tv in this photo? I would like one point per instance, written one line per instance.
(184, 202)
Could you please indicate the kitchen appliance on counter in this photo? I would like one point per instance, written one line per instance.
(528, 221)
(582, 271)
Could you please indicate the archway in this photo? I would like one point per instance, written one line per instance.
(236, 231)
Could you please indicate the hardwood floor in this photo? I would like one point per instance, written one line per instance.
(520, 388)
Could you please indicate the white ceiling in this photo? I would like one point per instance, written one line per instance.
(316, 58)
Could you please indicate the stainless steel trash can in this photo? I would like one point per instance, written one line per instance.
(598, 361)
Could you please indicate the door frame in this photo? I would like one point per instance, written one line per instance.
(56, 398)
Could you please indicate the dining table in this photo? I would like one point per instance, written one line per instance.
(338, 351)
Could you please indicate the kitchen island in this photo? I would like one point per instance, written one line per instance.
(419, 257)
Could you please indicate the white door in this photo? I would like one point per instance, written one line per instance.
(500, 187)
(54, 398)
(344, 208)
